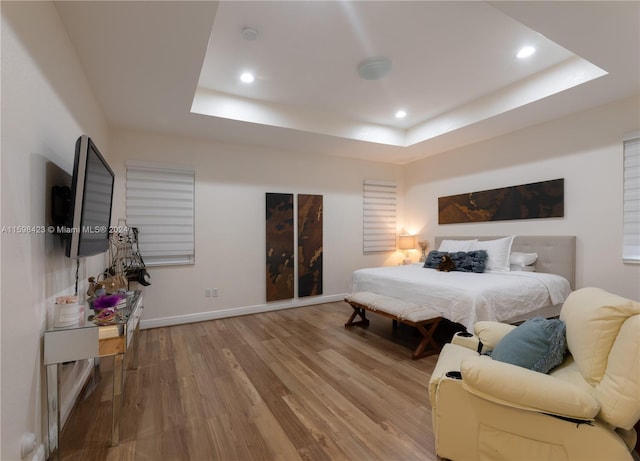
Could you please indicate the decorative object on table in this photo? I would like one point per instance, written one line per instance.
(105, 316)
(279, 246)
(112, 283)
(544, 199)
(106, 308)
(107, 301)
(423, 245)
(95, 288)
(67, 311)
(310, 247)
(126, 259)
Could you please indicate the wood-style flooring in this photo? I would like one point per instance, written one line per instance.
(285, 385)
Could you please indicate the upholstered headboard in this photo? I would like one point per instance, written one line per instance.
(556, 253)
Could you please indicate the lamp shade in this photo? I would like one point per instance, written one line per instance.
(406, 242)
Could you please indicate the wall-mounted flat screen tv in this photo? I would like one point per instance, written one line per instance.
(91, 199)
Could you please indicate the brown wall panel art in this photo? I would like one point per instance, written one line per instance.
(279, 233)
(309, 245)
(543, 199)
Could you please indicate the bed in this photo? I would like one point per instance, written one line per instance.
(467, 297)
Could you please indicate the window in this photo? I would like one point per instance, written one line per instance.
(160, 203)
(631, 208)
(379, 216)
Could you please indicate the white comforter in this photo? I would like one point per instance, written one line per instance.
(465, 297)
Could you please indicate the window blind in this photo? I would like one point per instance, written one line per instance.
(379, 216)
(631, 204)
(160, 203)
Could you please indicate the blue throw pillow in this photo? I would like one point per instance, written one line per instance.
(433, 259)
(538, 344)
(470, 261)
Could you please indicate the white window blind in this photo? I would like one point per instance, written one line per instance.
(631, 208)
(160, 203)
(379, 216)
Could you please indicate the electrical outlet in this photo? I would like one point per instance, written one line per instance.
(207, 292)
(214, 292)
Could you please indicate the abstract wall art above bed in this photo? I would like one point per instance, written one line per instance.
(543, 199)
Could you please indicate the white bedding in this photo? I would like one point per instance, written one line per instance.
(466, 297)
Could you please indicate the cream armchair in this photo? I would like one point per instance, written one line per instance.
(584, 409)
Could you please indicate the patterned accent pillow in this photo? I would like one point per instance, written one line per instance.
(433, 259)
(465, 261)
(470, 261)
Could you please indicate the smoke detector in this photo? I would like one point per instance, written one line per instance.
(374, 68)
(249, 33)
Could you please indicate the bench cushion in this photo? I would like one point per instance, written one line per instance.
(403, 310)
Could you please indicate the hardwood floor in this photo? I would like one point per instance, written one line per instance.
(286, 385)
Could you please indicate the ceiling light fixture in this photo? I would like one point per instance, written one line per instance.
(247, 77)
(401, 114)
(525, 52)
(374, 68)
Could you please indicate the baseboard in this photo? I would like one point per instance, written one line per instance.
(237, 311)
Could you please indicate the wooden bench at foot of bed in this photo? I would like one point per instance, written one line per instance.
(425, 319)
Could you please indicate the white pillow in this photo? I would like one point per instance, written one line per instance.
(498, 251)
(451, 246)
(522, 259)
(518, 267)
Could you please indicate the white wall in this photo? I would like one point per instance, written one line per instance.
(231, 182)
(46, 104)
(584, 149)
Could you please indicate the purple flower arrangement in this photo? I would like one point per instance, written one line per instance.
(105, 307)
(107, 301)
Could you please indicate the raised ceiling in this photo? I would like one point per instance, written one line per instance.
(175, 67)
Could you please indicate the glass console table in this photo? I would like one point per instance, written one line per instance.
(89, 340)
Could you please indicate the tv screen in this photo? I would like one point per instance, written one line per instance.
(91, 197)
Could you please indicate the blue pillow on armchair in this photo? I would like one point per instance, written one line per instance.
(538, 344)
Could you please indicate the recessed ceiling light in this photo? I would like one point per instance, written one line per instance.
(401, 114)
(525, 52)
(247, 77)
